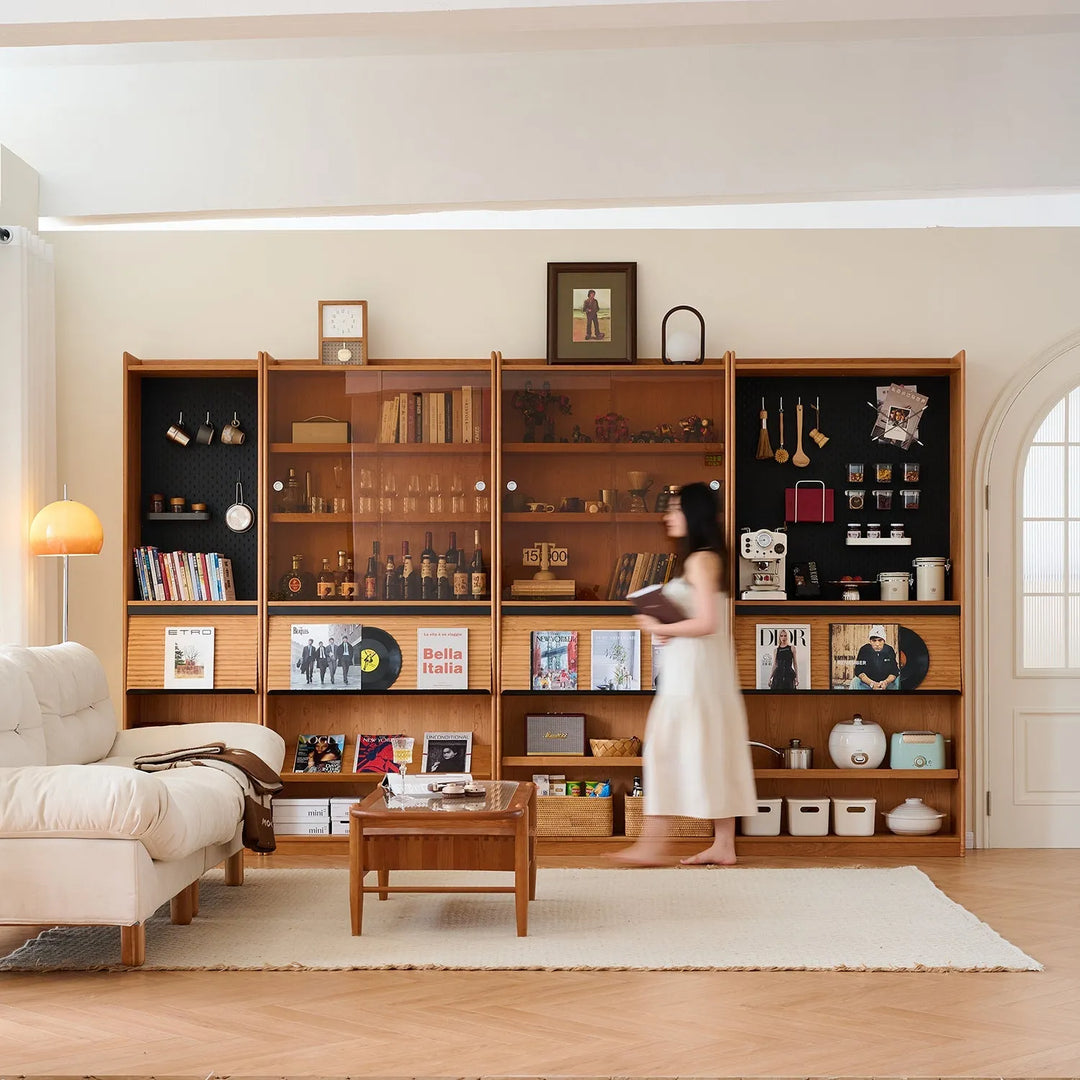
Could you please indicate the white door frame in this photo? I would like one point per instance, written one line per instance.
(978, 711)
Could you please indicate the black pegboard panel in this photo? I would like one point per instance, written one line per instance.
(202, 473)
(847, 419)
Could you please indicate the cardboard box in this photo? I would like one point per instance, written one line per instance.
(320, 430)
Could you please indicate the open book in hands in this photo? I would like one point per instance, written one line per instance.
(652, 601)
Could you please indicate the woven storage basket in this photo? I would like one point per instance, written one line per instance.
(570, 815)
(616, 747)
(678, 827)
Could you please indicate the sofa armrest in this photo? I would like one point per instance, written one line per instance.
(136, 742)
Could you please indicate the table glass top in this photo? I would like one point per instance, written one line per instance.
(498, 795)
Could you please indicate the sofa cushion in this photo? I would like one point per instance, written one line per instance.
(22, 730)
(173, 813)
(73, 695)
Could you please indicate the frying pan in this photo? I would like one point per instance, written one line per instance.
(239, 516)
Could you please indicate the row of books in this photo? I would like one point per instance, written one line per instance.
(636, 569)
(183, 575)
(437, 416)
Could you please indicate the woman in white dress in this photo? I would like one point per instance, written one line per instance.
(696, 751)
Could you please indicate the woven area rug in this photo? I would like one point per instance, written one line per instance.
(738, 919)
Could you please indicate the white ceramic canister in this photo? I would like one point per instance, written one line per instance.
(894, 584)
(930, 577)
(857, 744)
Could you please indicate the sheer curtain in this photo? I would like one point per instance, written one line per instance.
(28, 585)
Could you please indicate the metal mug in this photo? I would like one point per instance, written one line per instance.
(205, 434)
(177, 432)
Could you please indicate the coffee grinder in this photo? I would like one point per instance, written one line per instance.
(762, 564)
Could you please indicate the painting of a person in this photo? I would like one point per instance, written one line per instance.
(785, 668)
(591, 307)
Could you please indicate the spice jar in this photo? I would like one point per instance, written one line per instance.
(176, 505)
(198, 508)
(854, 530)
(855, 472)
(896, 530)
(157, 503)
(911, 472)
(856, 498)
(883, 472)
(883, 498)
(873, 531)
(910, 497)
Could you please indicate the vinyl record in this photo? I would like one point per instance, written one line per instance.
(914, 659)
(380, 659)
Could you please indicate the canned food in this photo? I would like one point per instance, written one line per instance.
(911, 498)
(856, 498)
(599, 789)
(856, 470)
(573, 787)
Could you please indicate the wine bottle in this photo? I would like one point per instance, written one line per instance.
(348, 582)
(371, 578)
(457, 570)
(410, 577)
(444, 585)
(298, 584)
(291, 498)
(429, 561)
(478, 579)
(326, 587)
(391, 581)
(339, 575)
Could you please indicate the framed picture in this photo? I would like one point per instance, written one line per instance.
(447, 751)
(592, 313)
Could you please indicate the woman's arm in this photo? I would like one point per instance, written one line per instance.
(702, 573)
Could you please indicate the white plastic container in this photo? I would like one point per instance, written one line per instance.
(808, 817)
(286, 810)
(854, 817)
(930, 577)
(894, 584)
(302, 828)
(766, 822)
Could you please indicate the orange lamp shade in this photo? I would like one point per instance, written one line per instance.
(65, 527)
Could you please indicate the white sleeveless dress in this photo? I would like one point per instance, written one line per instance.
(696, 751)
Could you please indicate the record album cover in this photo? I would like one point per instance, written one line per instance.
(864, 656)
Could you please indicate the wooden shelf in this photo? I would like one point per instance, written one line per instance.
(572, 760)
(367, 449)
(857, 774)
(561, 518)
(363, 519)
(663, 449)
(332, 778)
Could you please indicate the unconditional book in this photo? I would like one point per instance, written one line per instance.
(447, 751)
(319, 753)
(615, 660)
(442, 658)
(189, 658)
(554, 663)
(652, 601)
(783, 656)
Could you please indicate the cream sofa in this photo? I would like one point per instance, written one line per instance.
(85, 838)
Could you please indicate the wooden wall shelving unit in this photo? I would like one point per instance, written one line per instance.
(252, 668)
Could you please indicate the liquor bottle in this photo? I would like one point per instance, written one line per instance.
(478, 579)
(339, 575)
(348, 582)
(298, 584)
(291, 498)
(429, 562)
(410, 576)
(444, 585)
(371, 578)
(458, 571)
(326, 587)
(391, 581)
(638, 789)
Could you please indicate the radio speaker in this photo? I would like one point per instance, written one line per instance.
(555, 733)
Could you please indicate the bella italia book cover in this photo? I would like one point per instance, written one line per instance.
(442, 658)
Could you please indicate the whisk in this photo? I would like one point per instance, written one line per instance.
(764, 448)
(781, 454)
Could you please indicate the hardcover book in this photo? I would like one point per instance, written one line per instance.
(319, 753)
(652, 601)
(554, 660)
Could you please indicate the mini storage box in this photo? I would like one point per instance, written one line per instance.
(339, 815)
(766, 822)
(808, 817)
(301, 817)
(854, 817)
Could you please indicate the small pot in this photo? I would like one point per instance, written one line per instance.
(794, 755)
(239, 517)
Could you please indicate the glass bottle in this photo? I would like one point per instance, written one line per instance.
(429, 561)
(478, 583)
(326, 587)
(371, 578)
(348, 582)
(443, 582)
(298, 584)
(456, 570)
(638, 790)
(391, 581)
(291, 498)
(339, 574)
(410, 576)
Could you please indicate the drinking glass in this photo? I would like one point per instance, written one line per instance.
(411, 502)
(457, 494)
(482, 503)
(403, 749)
(365, 486)
(435, 496)
(388, 498)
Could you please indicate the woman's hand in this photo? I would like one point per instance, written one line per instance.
(652, 626)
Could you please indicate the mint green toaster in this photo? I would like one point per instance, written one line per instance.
(916, 750)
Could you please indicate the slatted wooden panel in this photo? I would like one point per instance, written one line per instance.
(236, 650)
(403, 629)
(175, 708)
(941, 633)
(517, 645)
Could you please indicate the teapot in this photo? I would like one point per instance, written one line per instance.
(794, 755)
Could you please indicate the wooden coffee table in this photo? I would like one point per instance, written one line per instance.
(497, 832)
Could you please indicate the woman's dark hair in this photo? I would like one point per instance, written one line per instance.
(701, 508)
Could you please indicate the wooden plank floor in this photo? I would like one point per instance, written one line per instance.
(587, 1024)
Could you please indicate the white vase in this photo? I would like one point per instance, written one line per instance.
(857, 744)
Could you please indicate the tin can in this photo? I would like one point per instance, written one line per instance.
(599, 789)
(573, 787)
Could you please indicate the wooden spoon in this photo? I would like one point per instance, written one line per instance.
(799, 458)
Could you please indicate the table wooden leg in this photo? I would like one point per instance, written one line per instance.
(384, 880)
(521, 874)
(356, 874)
(532, 848)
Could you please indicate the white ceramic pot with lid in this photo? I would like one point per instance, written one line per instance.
(914, 818)
(930, 573)
(894, 584)
(857, 744)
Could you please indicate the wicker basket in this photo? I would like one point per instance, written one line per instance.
(630, 747)
(679, 828)
(569, 815)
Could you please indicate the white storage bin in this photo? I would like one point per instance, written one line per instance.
(808, 817)
(339, 826)
(766, 822)
(302, 828)
(301, 810)
(854, 817)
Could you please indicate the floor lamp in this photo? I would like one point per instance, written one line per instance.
(65, 528)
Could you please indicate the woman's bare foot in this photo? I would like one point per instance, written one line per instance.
(642, 855)
(712, 856)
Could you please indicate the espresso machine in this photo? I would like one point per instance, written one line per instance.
(762, 564)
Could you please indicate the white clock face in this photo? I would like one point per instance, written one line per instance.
(342, 321)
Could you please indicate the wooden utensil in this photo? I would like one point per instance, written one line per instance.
(799, 458)
(781, 454)
(817, 435)
(764, 447)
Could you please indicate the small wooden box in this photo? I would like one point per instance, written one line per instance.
(320, 431)
(573, 815)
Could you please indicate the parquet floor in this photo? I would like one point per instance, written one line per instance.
(587, 1024)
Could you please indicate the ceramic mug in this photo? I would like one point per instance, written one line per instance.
(572, 506)
(540, 508)
(205, 434)
(231, 433)
(594, 506)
